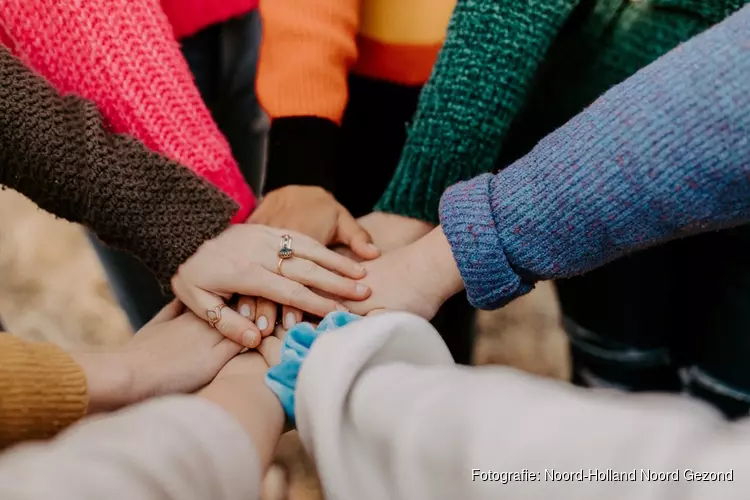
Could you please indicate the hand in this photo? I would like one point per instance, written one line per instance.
(417, 278)
(313, 211)
(175, 352)
(391, 231)
(244, 260)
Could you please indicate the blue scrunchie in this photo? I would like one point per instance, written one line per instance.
(282, 378)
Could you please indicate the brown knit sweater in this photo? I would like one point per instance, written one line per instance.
(57, 151)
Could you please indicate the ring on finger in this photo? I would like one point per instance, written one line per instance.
(278, 266)
(214, 315)
(285, 249)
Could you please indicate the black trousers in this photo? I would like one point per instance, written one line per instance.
(673, 318)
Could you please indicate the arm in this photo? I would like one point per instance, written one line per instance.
(58, 152)
(661, 156)
(181, 447)
(484, 71)
(122, 55)
(382, 400)
(307, 50)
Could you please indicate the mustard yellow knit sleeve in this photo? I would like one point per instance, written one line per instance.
(42, 390)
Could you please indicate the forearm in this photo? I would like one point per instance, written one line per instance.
(57, 151)
(175, 448)
(381, 399)
(476, 89)
(143, 86)
(254, 406)
(661, 156)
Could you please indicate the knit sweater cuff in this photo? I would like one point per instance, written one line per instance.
(42, 390)
(302, 150)
(468, 223)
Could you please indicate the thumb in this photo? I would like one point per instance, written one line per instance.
(351, 234)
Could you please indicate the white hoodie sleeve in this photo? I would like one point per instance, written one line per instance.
(387, 415)
(171, 448)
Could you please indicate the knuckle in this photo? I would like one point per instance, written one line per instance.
(308, 267)
(297, 295)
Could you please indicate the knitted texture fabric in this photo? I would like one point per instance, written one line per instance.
(42, 390)
(57, 152)
(187, 17)
(511, 72)
(282, 378)
(122, 55)
(664, 155)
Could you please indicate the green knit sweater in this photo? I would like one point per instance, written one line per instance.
(511, 71)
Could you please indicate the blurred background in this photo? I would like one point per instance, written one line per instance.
(52, 288)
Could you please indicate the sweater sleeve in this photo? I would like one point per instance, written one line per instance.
(42, 390)
(485, 69)
(122, 55)
(663, 155)
(56, 151)
(172, 448)
(307, 51)
(382, 400)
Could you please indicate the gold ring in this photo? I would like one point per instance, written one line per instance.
(214, 315)
(285, 249)
(278, 266)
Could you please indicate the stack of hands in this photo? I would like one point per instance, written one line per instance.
(229, 293)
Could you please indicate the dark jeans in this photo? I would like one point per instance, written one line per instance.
(223, 60)
(673, 318)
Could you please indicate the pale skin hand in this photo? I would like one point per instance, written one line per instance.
(175, 352)
(243, 260)
(389, 232)
(417, 278)
(312, 211)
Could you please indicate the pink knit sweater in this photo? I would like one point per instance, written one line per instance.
(123, 55)
(190, 16)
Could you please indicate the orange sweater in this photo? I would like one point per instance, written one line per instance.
(42, 390)
(310, 47)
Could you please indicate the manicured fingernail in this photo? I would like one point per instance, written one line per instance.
(249, 338)
(339, 307)
(373, 247)
(363, 270)
(245, 310)
(289, 320)
(362, 289)
(261, 323)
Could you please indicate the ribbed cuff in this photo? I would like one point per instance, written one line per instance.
(42, 391)
(468, 223)
(302, 150)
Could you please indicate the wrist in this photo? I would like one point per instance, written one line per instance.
(438, 267)
(110, 380)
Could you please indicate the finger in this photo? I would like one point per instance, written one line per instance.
(266, 316)
(246, 306)
(309, 249)
(279, 332)
(353, 235)
(270, 349)
(290, 316)
(291, 293)
(312, 275)
(230, 323)
(168, 312)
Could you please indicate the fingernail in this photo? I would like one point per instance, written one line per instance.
(339, 307)
(245, 310)
(289, 320)
(362, 289)
(363, 269)
(373, 247)
(261, 323)
(249, 338)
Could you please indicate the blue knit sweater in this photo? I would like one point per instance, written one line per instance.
(663, 155)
